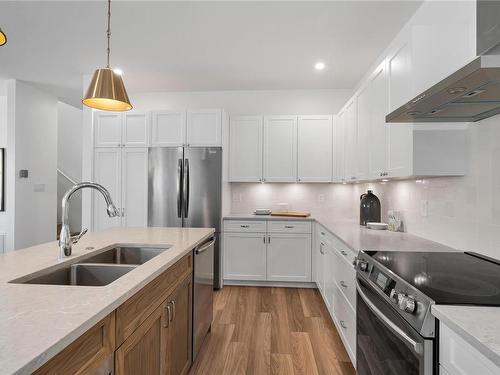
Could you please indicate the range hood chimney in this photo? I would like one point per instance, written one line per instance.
(473, 92)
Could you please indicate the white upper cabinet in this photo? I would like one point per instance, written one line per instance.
(377, 144)
(351, 137)
(399, 71)
(314, 150)
(339, 149)
(107, 129)
(134, 203)
(135, 129)
(245, 148)
(204, 127)
(130, 129)
(168, 128)
(280, 148)
(363, 127)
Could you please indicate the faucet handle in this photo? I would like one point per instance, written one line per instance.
(75, 239)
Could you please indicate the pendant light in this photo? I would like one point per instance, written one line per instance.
(107, 91)
(3, 38)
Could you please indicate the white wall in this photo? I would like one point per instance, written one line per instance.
(69, 159)
(247, 102)
(35, 150)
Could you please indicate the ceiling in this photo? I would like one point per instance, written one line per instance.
(198, 46)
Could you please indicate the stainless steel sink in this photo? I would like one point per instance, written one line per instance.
(82, 274)
(126, 255)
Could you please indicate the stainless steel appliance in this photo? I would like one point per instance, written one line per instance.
(396, 332)
(472, 93)
(203, 293)
(185, 191)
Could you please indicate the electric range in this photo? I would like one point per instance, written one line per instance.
(396, 332)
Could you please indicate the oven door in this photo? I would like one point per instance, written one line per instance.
(386, 344)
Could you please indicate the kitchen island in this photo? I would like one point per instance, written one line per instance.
(37, 322)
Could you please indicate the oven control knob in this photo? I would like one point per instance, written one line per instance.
(363, 265)
(407, 303)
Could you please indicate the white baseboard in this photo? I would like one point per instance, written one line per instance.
(281, 284)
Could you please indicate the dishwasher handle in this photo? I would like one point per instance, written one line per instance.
(204, 247)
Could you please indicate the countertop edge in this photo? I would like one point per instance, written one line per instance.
(52, 351)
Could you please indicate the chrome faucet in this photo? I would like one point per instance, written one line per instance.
(65, 237)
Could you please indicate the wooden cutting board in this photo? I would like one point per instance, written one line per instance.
(291, 213)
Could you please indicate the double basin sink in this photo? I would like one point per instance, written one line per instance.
(96, 270)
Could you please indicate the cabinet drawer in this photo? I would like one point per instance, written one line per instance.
(458, 357)
(133, 312)
(250, 226)
(86, 353)
(343, 249)
(345, 318)
(345, 278)
(289, 226)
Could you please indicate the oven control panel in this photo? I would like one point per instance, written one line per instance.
(383, 281)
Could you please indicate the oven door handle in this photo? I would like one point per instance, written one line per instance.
(417, 347)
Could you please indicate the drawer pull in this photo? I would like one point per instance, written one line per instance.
(343, 284)
(343, 252)
(289, 226)
(342, 324)
(173, 310)
(245, 226)
(322, 233)
(168, 313)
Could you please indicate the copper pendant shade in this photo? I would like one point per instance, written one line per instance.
(107, 91)
(3, 38)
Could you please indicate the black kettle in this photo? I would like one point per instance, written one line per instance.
(369, 208)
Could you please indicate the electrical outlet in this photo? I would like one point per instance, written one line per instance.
(321, 198)
(236, 197)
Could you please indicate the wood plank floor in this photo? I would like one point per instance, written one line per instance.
(259, 331)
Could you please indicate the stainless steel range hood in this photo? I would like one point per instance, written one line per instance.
(473, 92)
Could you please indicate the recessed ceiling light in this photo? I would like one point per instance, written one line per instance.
(319, 65)
(118, 71)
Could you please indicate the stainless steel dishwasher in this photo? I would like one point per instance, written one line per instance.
(203, 292)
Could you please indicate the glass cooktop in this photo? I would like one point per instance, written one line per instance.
(448, 278)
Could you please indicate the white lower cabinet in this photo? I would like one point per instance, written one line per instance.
(276, 255)
(328, 275)
(289, 257)
(245, 256)
(345, 319)
(458, 357)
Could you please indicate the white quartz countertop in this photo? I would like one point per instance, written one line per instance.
(38, 321)
(358, 237)
(478, 325)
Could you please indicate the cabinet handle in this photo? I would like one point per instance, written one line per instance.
(353, 178)
(343, 252)
(298, 179)
(321, 248)
(289, 226)
(245, 226)
(264, 238)
(168, 312)
(173, 310)
(123, 212)
(343, 284)
(342, 324)
(322, 233)
(269, 239)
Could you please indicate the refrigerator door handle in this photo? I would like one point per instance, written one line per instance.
(179, 188)
(186, 188)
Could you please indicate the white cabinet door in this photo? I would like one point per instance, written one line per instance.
(377, 144)
(245, 149)
(350, 134)
(168, 128)
(399, 71)
(107, 172)
(244, 256)
(280, 148)
(107, 129)
(134, 187)
(314, 151)
(289, 257)
(363, 133)
(204, 127)
(136, 129)
(328, 276)
(339, 149)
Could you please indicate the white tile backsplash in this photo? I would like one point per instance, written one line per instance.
(462, 212)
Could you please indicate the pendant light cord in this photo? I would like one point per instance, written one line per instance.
(109, 30)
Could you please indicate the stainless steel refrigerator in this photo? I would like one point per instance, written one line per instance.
(185, 188)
